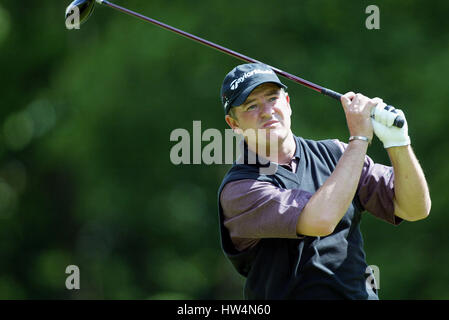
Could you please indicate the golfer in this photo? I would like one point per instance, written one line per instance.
(295, 234)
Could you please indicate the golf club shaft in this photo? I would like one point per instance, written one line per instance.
(399, 122)
(240, 56)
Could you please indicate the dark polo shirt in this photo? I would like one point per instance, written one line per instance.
(258, 215)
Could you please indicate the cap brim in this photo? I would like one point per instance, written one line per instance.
(244, 95)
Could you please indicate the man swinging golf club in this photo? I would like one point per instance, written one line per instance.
(295, 234)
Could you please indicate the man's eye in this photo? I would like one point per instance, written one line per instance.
(273, 98)
(251, 107)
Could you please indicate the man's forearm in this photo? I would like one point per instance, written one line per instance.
(412, 200)
(330, 203)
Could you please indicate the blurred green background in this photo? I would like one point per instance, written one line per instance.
(86, 116)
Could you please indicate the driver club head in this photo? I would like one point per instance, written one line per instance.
(85, 7)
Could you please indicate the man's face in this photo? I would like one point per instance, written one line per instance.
(268, 108)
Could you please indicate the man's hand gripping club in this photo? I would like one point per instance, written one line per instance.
(382, 120)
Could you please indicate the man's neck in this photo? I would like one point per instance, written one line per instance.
(285, 150)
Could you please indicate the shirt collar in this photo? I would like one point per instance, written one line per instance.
(298, 149)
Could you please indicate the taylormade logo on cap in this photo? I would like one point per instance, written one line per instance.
(240, 81)
(234, 84)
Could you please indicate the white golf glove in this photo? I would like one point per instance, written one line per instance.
(390, 135)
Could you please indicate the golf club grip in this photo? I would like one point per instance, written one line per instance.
(331, 93)
(398, 121)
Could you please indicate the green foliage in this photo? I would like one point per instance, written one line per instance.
(86, 117)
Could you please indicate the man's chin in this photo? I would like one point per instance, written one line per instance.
(266, 136)
(275, 134)
(271, 137)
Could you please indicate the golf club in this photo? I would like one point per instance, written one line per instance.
(86, 8)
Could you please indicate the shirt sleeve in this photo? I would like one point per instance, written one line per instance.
(256, 209)
(376, 189)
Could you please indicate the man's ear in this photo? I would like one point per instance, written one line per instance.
(287, 98)
(233, 123)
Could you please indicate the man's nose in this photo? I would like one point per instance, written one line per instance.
(268, 108)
